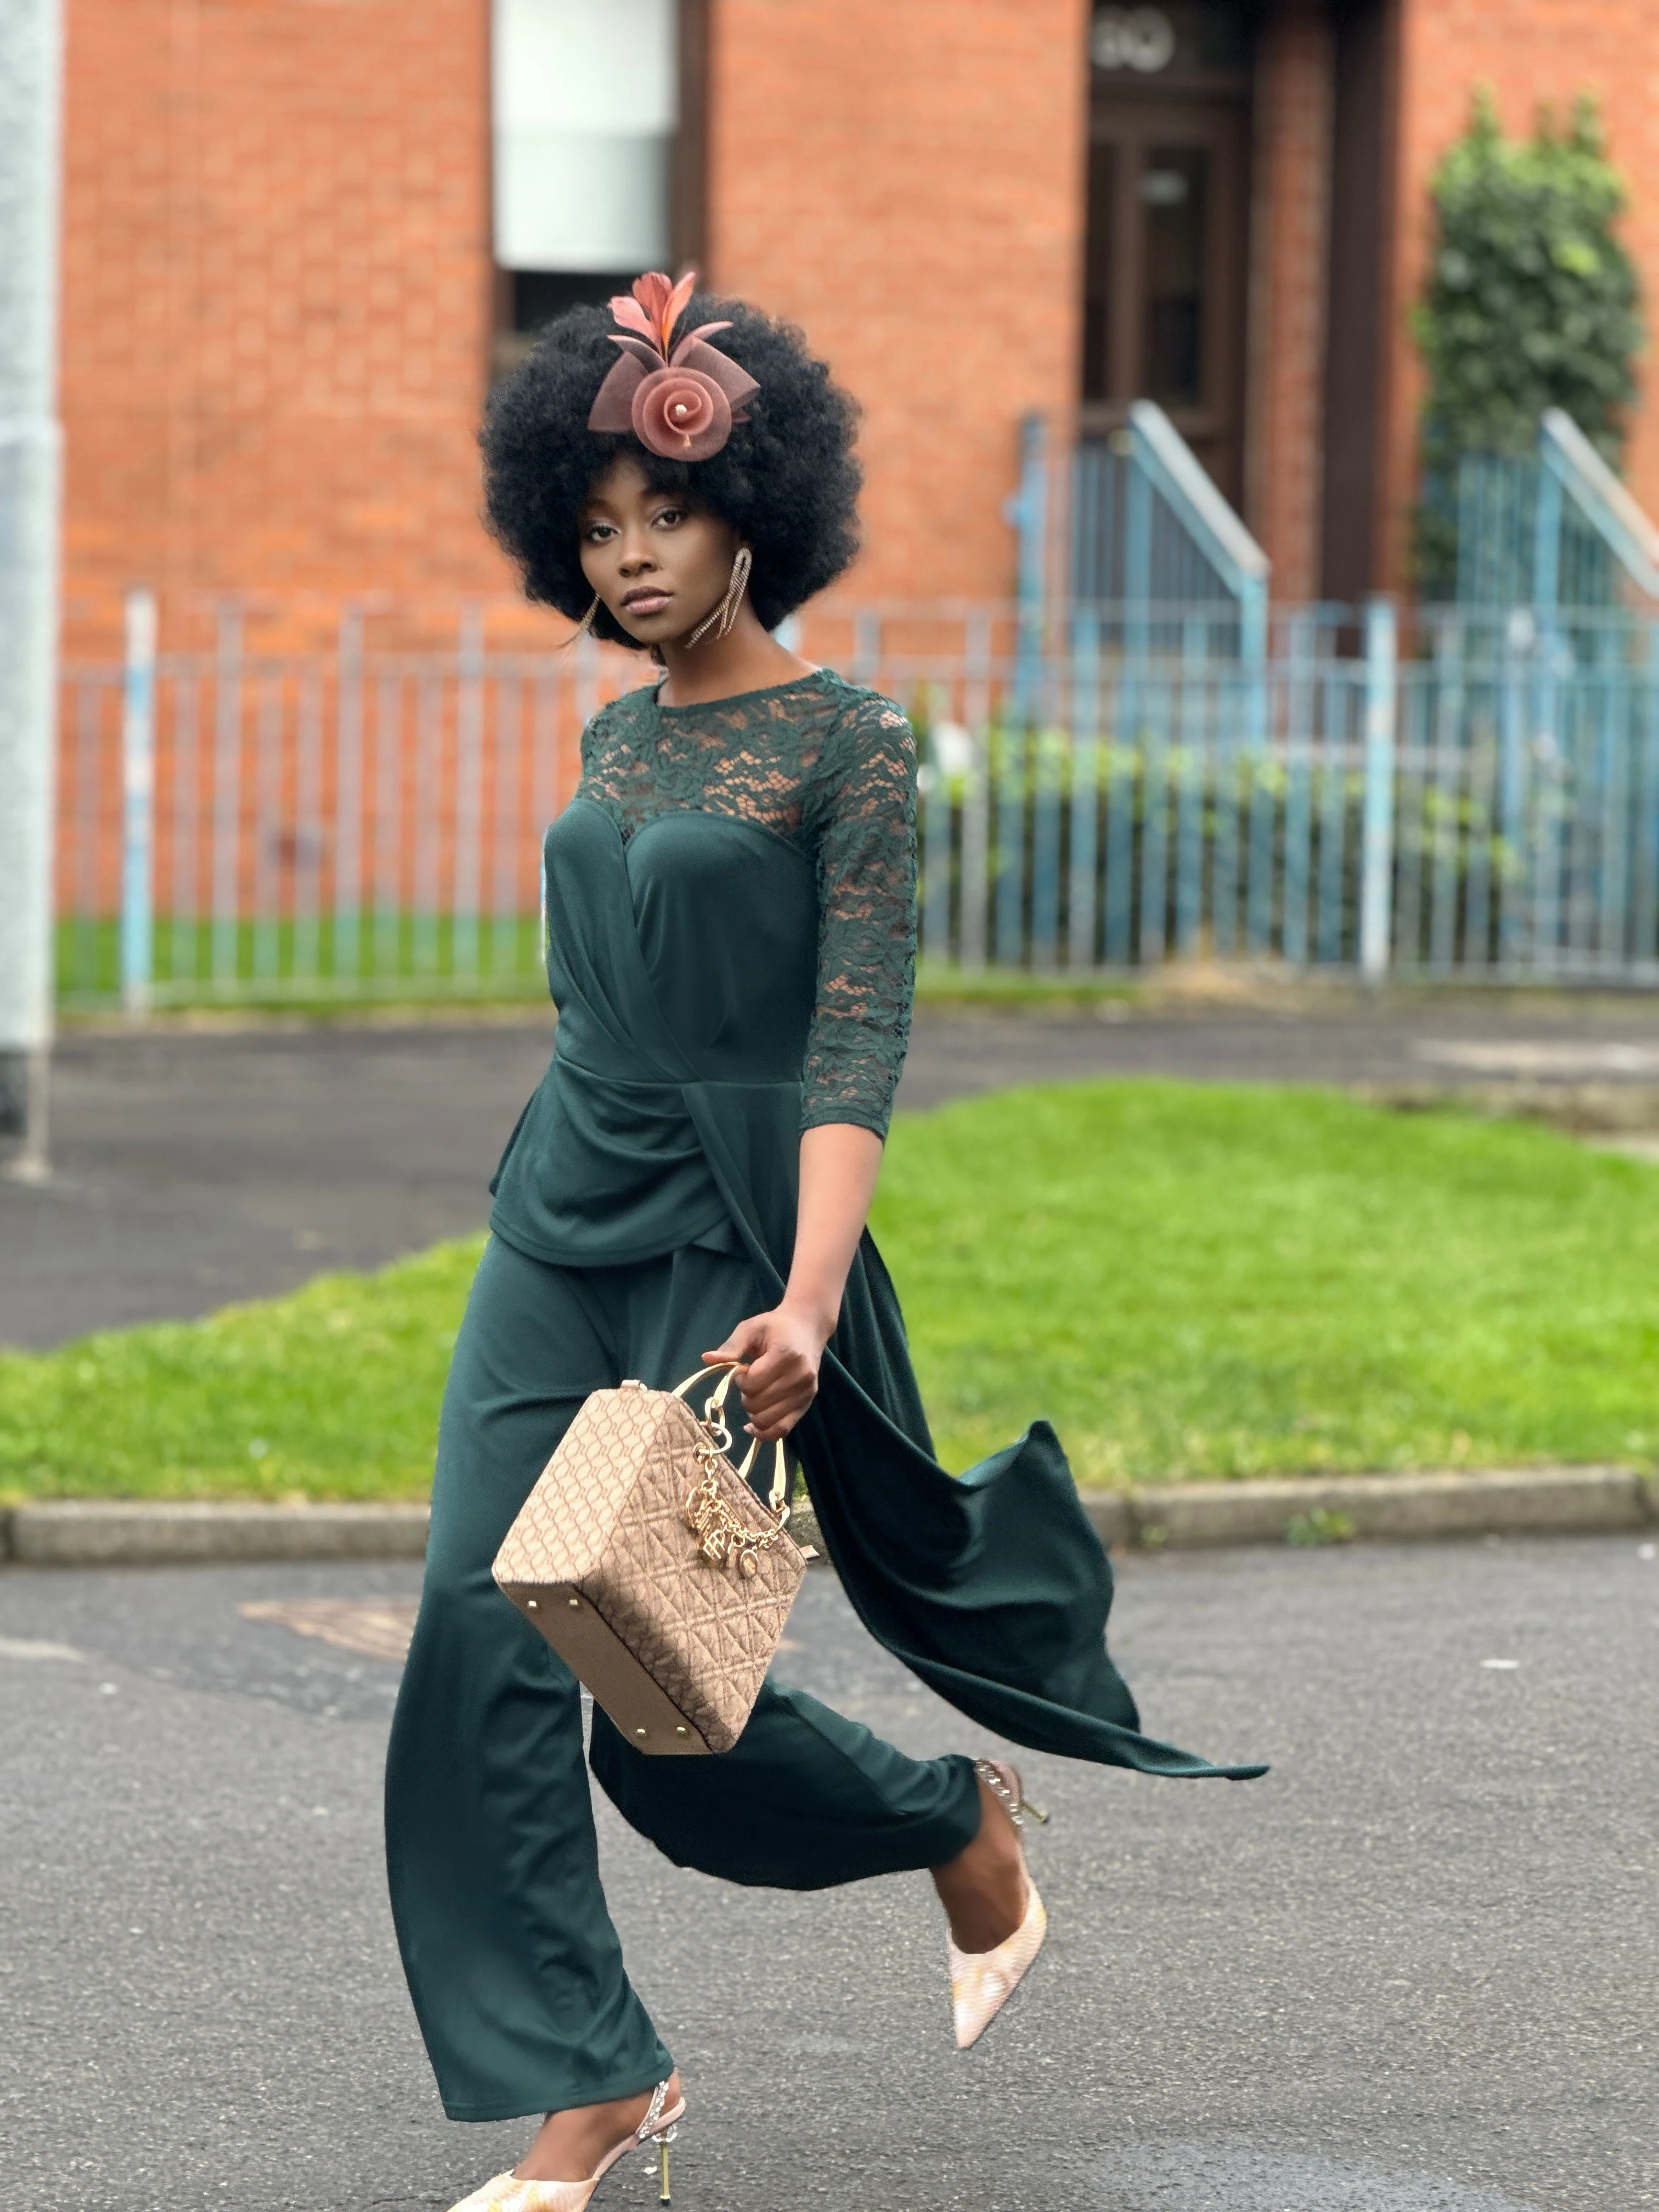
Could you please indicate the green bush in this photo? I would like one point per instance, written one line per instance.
(1532, 302)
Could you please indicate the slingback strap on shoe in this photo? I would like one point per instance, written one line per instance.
(981, 1982)
(512, 2192)
(1004, 1784)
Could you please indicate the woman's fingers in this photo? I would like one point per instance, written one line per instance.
(748, 1337)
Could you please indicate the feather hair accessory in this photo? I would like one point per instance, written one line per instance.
(678, 398)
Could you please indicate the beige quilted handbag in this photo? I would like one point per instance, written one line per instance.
(654, 1572)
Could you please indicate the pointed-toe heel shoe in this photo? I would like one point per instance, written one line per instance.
(509, 2192)
(981, 1982)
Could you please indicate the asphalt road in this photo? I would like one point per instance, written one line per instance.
(1412, 1971)
(194, 1168)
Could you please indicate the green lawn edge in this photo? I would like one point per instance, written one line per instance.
(1192, 1282)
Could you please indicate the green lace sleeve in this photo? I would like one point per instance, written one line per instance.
(864, 809)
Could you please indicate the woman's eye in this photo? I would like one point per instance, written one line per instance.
(596, 531)
(671, 514)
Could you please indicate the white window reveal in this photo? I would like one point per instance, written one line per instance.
(585, 95)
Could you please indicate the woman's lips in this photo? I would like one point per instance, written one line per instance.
(645, 603)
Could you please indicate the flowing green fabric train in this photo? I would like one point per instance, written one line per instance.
(683, 966)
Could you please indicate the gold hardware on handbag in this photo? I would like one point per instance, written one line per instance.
(652, 1568)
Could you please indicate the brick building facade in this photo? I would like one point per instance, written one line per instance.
(280, 302)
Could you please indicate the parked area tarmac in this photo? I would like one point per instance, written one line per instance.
(1410, 1971)
(193, 1167)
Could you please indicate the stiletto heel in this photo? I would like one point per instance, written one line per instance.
(512, 2192)
(981, 1982)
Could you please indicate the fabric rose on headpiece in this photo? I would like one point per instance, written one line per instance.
(681, 403)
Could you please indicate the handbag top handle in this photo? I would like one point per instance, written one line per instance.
(714, 1420)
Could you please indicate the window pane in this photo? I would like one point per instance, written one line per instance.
(583, 96)
(1175, 192)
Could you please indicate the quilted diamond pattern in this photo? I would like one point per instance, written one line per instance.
(608, 1514)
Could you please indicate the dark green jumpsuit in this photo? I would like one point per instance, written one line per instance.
(729, 905)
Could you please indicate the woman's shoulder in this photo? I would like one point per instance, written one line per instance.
(864, 725)
(619, 718)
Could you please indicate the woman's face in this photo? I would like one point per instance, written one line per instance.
(658, 560)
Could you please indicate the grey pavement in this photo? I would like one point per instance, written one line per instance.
(195, 1167)
(1412, 1971)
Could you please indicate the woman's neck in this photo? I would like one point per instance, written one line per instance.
(748, 659)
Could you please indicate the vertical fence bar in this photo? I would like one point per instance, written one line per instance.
(386, 950)
(469, 796)
(307, 825)
(345, 963)
(185, 951)
(138, 805)
(1453, 825)
(1376, 846)
(1415, 815)
(1253, 668)
(976, 804)
(1299, 786)
(1223, 867)
(1085, 863)
(1192, 776)
(1482, 835)
(1333, 810)
(427, 800)
(933, 917)
(226, 796)
(1618, 734)
(1155, 824)
(267, 823)
(1048, 774)
(508, 819)
(1644, 915)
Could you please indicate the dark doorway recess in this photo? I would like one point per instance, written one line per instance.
(1167, 228)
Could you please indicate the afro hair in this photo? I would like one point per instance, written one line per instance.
(785, 480)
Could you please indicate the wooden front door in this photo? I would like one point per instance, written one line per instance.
(1164, 287)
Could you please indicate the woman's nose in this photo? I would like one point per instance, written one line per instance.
(636, 556)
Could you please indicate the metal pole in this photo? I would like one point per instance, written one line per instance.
(138, 807)
(1376, 836)
(31, 78)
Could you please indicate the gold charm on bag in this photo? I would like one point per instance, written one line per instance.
(720, 1535)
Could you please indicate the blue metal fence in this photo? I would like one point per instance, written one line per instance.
(1484, 803)
(1159, 766)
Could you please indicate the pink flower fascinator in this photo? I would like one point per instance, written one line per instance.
(679, 400)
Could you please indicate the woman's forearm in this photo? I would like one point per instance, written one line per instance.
(838, 1165)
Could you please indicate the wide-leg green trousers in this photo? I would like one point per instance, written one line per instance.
(515, 1970)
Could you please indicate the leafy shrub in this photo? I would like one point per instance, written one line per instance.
(1532, 302)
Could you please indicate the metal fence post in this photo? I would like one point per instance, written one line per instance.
(31, 63)
(138, 805)
(1376, 862)
(1028, 510)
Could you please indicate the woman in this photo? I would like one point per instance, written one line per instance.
(730, 901)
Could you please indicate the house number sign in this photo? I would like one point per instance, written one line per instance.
(1139, 39)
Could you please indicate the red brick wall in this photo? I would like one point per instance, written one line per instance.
(1529, 51)
(276, 296)
(904, 179)
(1292, 197)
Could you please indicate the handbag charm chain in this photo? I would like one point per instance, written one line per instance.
(721, 1536)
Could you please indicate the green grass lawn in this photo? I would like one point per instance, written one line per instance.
(1189, 1281)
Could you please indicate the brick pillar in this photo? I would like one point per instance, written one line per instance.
(1290, 200)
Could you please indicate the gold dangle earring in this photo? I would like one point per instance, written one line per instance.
(726, 612)
(583, 627)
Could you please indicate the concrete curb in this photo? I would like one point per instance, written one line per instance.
(1399, 1508)
(122, 1532)
(1396, 1508)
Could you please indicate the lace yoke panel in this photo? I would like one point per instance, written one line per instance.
(832, 768)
